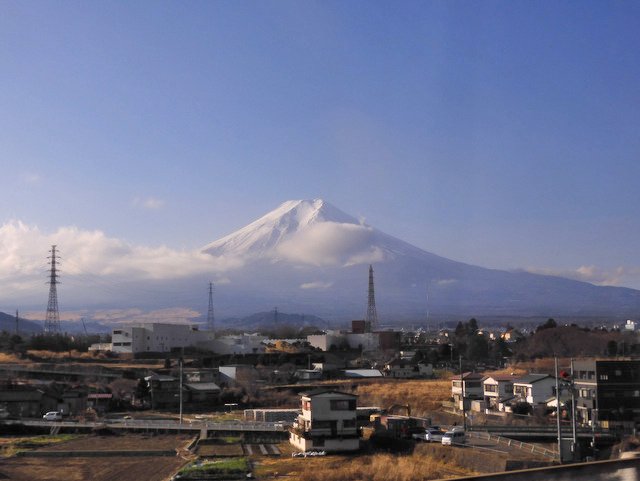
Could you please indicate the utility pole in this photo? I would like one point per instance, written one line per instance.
(574, 445)
(181, 390)
(464, 408)
(558, 412)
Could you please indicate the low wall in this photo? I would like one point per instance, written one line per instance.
(613, 470)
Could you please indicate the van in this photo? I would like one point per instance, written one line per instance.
(454, 437)
(53, 416)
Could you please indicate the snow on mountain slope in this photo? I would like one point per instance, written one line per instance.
(312, 232)
(307, 254)
(264, 235)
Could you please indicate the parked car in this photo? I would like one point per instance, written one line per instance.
(53, 416)
(429, 435)
(456, 436)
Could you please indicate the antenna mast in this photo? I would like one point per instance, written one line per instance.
(52, 320)
(210, 318)
(371, 321)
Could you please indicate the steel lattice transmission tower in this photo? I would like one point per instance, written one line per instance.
(210, 317)
(371, 320)
(52, 320)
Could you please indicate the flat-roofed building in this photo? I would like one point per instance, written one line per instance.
(328, 422)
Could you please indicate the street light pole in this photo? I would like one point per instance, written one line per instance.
(464, 409)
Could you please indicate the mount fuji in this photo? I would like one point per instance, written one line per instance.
(309, 256)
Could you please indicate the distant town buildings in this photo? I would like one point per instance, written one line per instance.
(163, 337)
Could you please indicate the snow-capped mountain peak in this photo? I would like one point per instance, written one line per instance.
(264, 235)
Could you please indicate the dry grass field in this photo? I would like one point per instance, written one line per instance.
(424, 396)
(128, 442)
(376, 467)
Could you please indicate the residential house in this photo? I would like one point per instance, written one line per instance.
(469, 385)
(498, 389)
(534, 389)
(328, 422)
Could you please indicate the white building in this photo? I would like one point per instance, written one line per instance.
(157, 337)
(534, 388)
(366, 341)
(497, 389)
(468, 385)
(327, 423)
(237, 344)
(162, 337)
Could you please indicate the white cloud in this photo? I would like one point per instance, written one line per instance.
(151, 203)
(316, 285)
(24, 248)
(331, 244)
(31, 178)
(618, 276)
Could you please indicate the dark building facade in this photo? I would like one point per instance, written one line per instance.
(608, 392)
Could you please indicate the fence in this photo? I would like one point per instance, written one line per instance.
(531, 448)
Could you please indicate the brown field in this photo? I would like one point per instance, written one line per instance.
(110, 468)
(137, 442)
(156, 468)
(211, 450)
(377, 467)
(423, 396)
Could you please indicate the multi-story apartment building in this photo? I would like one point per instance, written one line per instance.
(607, 392)
(327, 423)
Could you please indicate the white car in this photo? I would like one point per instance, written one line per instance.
(454, 437)
(53, 416)
(430, 435)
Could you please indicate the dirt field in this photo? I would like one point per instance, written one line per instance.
(136, 442)
(111, 468)
(95, 469)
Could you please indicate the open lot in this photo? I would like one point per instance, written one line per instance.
(128, 442)
(115, 468)
(107, 468)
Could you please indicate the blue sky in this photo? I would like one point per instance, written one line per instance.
(503, 134)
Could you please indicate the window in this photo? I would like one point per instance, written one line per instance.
(604, 377)
(349, 423)
(490, 388)
(321, 425)
(115, 333)
(343, 405)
